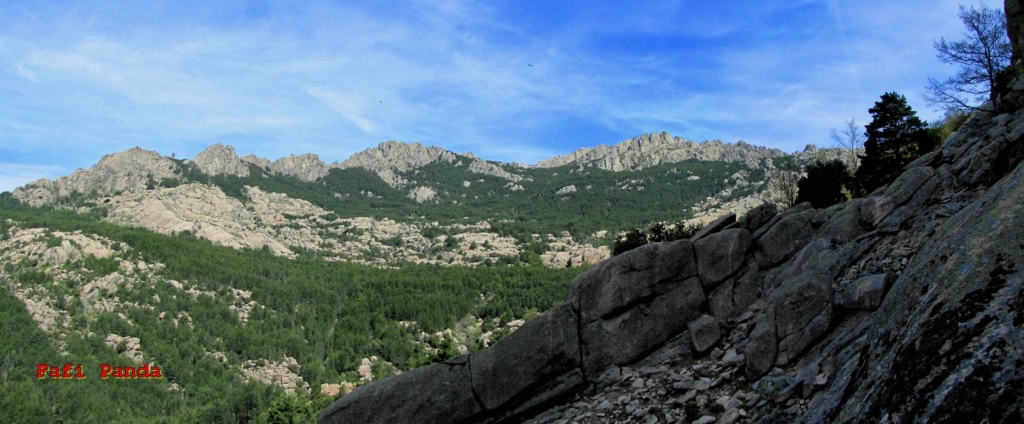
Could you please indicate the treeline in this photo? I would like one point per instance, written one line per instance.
(327, 315)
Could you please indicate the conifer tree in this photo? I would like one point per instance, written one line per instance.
(895, 137)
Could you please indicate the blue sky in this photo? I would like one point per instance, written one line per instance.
(508, 80)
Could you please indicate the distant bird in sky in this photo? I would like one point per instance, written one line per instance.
(529, 64)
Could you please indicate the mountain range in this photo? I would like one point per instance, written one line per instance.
(379, 205)
(262, 288)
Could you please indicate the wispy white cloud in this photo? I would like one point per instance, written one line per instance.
(513, 81)
(347, 105)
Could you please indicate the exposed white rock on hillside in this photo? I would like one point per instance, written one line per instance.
(394, 156)
(132, 169)
(275, 373)
(203, 210)
(422, 194)
(483, 167)
(654, 149)
(307, 167)
(219, 159)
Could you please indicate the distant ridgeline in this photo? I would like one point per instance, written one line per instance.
(403, 202)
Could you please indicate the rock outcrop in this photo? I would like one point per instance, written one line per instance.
(282, 374)
(132, 169)
(393, 156)
(422, 194)
(129, 347)
(480, 166)
(654, 149)
(902, 306)
(307, 167)
(207, 212)
(219, 159)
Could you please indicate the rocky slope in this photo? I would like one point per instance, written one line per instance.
(392, 156)
(904, 306)
(284, 225)
(142, 188)
(652, 149)
(132, 169)
(219, 159)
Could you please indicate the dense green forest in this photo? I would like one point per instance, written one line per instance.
(327, 315)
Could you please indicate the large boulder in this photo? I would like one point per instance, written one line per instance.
(735, 295)
(621, 338)
(704, 332)
(760, 215)
(632, 277)
(524, 361)
(715, 226)
(784, 238)
(438, 393)
(720, 255)
(803, 308)
(762, 346)
(864, 293)
(850, 221)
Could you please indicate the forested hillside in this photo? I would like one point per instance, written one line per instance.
(207, 315)
(403, 202)
(547, 200)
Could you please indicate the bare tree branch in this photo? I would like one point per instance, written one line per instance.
(981, 56)
(851, 139)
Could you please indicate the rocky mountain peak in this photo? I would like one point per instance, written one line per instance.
(307, 167)
(219, 159)
(390, 157)
(398, 156)
(255, 160)
(649, 150)
(132, 169)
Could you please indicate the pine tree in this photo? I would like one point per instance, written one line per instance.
(895, 137)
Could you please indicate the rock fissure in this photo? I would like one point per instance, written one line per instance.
(472, 384)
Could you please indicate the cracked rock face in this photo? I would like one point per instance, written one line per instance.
(219, 159)
(307, 167)
(392, 156)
